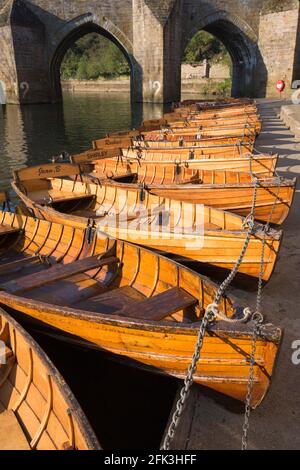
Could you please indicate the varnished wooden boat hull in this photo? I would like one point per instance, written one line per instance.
(189, 135)
(189, 132)
(210, 152)
(263, 165)
(89, 308)
(191, 143)
(34, 397)
(236, 198)
(197, 233)
(217, 151)
(208, 137)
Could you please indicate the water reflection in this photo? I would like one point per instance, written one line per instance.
(31, 134)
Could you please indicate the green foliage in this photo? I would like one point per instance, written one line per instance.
(93, 57)
(211, 88)
(205, 46)
(225, 87)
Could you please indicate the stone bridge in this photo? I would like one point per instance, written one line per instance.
(262, 37)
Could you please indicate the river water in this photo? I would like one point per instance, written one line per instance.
(31, 134)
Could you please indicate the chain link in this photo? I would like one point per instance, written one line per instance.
(258, 320)
(246, 425)
(184, 393)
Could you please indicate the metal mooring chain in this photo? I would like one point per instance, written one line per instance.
(188, 382)
(256, 332)
(258, 320)
(210, 314)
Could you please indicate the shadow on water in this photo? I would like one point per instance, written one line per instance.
(127, 408)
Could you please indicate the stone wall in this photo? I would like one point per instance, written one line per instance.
(219, 71)
(8, 75)
(277, 42)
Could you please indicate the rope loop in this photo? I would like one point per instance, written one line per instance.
(213, 309)
(248, 222)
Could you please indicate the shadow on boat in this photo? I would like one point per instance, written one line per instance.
(218, 274)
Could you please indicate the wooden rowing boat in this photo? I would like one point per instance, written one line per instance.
(37, 409)
(230, 191)
(107, 294)
(188, 125)
(183, 169)
(217, 111)
(171, 142)
(215, 130)
(179, 160)
(186, 231)
(190, 135)
(218, 151)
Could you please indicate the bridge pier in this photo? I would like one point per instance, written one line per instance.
(23, 43)
(157, 49)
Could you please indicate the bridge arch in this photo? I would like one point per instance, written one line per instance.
(66, 36)
(239, 39)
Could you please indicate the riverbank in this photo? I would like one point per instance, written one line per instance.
(201, 86)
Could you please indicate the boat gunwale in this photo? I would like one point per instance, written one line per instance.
(73, 404)
(221, 328)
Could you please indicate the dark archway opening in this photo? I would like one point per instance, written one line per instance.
(242, 51)
(206, 67)
(91, 30)
(242, 54)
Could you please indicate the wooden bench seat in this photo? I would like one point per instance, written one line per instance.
(19, 264)
(12, 436)
(128, 302)
(62, 196)
(56, 273)
(160, 305)
(111, 301)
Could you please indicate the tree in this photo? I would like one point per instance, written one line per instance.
(92, 57)
(204, 46)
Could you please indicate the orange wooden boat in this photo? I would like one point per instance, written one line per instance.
(119, 298)
(190, 125)
(214, 130)
(230, 191)
(187, 125)
(215, 151)
(213, 111)
(173, 142)
(37, 409)
(189, 134)
(177, 122)
(186, 231)
(159, 166)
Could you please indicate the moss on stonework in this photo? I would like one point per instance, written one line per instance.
(275, 6)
